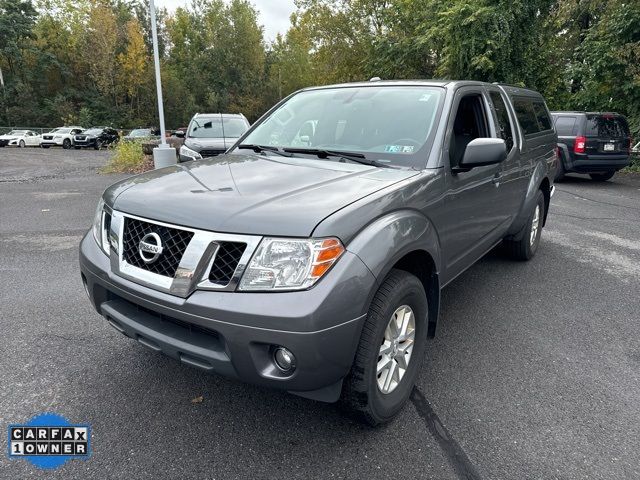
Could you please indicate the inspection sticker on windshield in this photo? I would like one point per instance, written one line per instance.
(48, 440)
(399, 148)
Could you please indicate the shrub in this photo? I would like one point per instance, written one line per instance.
(128, 158)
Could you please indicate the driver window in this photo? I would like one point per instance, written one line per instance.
(470, 123)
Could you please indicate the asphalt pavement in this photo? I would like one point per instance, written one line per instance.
(534, 372)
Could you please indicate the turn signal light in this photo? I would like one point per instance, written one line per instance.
(325, 256)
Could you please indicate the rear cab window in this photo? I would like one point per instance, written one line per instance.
(533, 115)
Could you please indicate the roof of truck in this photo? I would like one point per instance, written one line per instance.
(512, 89)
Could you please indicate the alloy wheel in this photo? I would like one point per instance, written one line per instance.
(535, 225)
(395, 352)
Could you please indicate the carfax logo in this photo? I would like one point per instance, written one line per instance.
(49, 440)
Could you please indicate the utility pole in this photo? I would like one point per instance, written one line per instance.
(163, 155)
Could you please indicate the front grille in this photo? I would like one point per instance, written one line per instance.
(174, 243)
(211, 153)
(224, 265)
(47, 137)
(81, 138)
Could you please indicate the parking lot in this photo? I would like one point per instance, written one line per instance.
(534, 372)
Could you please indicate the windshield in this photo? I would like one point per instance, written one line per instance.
(392, 124)
(217, 127)
(61, 130)
(17, 132)
(92, 131)
(141, 132)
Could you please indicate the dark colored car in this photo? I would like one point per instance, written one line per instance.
(211, 134)
(96, 137)
(311, 256)
(598, 144)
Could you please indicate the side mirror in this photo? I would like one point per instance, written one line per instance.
(481, 152)
(180, 134)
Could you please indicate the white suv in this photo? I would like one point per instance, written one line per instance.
(62, 137)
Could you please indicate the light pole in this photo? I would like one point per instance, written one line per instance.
(163, 155)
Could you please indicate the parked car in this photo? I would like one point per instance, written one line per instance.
(635, 150)
(318, 269)
(598, 144)
(96, 137)
(20, 138)
(62, 137)
(211, 134)
(140, 134)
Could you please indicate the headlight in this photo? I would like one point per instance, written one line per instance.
(187, 152)
(101, 227)
(290, 264)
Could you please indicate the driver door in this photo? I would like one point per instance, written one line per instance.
(473, 221)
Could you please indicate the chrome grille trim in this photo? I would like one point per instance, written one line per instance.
(194, 267)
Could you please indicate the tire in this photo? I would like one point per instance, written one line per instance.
(601, 177)
(21, 144)
(97, 145)
(362, 397)
(560, 172)
(66, 144)
(525, 248)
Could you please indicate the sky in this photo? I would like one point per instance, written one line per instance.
(274, 14)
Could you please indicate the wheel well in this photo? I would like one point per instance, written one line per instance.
(421, 264)
(545, 186)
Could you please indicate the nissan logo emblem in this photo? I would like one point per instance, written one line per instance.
(150, 247)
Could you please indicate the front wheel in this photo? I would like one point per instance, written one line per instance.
(21, 144)
(390, 350)
(66, 144)
(97, 145)
(525, 248)
(601, 177)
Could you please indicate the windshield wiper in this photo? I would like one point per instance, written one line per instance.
(262, 149)
(351, 156)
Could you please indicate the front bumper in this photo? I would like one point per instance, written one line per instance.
(53, 143)
(234, 333)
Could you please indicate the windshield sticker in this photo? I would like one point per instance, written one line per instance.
(425, 97)
(399, 148)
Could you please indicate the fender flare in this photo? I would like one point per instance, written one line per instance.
(540, 172)
(388, 239)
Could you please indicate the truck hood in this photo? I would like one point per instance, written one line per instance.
(250, 194)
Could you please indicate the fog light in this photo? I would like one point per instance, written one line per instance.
(284, 359)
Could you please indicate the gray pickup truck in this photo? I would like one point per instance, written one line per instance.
(310, 257)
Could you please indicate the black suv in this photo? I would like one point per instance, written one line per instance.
(96, 137)
(595, 143)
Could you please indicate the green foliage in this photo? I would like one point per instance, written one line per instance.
(89, 61)
(127, 158)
